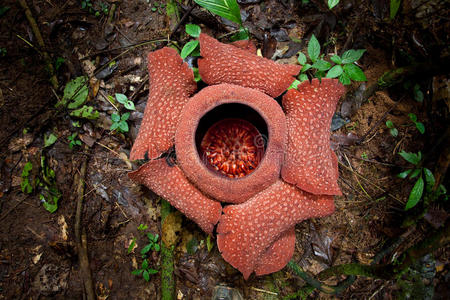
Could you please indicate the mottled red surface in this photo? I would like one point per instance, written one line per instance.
(308, 114)
(222, 63)
(170, 183)
(230, 148)
(247, 230)
(171, 83)
(246, 45)
(214, 185)
(257, 234)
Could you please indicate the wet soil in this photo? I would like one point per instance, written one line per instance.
(38, 255)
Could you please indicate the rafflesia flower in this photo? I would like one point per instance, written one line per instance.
(235, 144)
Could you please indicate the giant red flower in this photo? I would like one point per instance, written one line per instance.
(235, 144)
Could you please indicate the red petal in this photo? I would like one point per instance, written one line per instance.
(246, 45)
(310, 163)
(170, 183)
(171, 84)
(222, 63)
(278, 255)
(247, 230)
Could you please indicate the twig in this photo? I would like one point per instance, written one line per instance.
(80, 235)
(263, 291)
(40, 41)
(186, 14)
(357, 180)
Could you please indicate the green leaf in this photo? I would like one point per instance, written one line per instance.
(209, 243)
(197, 77)
(354, 72)
(49, 140)
(294, 84)
(228, 9)
(146, 275)
(336, 59)
(115, 117)
(306, 67)
(123, 126)
(411, 157)
(156, 247)
(416, 194)
(146, 249)
(394, 132)
(129, 105)
(242, 34)
(137, 272)
(132, 244)
(303, 77)
(75, 91)
(394, 6)
(188, 48)
(322, 65)
(113, 127)
(389, 124)
(125, 116)
(335, 72)
(350, 56)
(418, 94)
(415, 173)
(144, 264)
(193, 30)
(26, 169)
(121, 98)
(313, 48)
(412, 117)
(301, 58)
(85, 112)
(344, 79)
(420, 127)
(152, 271)
(404, 174)
(332, 3)
(429, 177)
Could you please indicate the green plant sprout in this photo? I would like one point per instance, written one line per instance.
(332, 3)
(192, 47)
(392, 129)
(345, 68)
(25, 185)
(364, 155)
(420, 172)
(418, 94)
(49, 139)
(152, 245)
(419, 125)
(73, 140)
(119, 121)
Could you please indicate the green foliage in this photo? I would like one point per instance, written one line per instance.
(418, 94)
(145, 271)
(50, 194)
(99, 8)
(85, 112)
(119, 122)
(75, 91)
(394, 6)
(392, 129)
(188, 48)
(419, 125)
(332, 3)
(45, 181)
(49, 140)
(197, 77)
(58, 62)
(122, 99)
(421, 185)
(132, 244)
(4, 10)
(228, 9)
(73, 140)
(157, 6)
(344, 68)
(193, 30)
(25, 184)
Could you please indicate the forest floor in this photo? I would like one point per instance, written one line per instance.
(108, 42)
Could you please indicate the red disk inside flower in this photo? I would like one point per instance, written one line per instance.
(232, 147)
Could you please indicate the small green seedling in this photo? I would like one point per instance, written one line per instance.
(142, 227)
(392, 129)
(420, 172)
(418, 94)
(49, 140)
(145, 270)
(364, 155)
(152, 244)
(123, 99)
(192, 47)
(73, 140)
(419, 125)
(119, 122)
(332, 3)
(345, 68)
(25, 185)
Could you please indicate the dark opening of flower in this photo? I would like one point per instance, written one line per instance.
(232, 146)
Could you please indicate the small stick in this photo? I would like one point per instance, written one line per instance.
(80, 236)
(263, 291)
